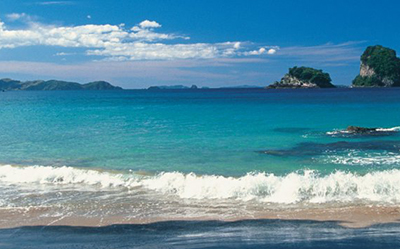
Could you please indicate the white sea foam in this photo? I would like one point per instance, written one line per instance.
(62, 175)
(335, 132)
(365, 160)
(397, 128)
(307, 186)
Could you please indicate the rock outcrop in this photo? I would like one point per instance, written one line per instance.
(304, 77)
(380, 67)
(358, 131)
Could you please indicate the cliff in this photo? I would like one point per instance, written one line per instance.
(380, 67)
(52, 85)
(304, 77)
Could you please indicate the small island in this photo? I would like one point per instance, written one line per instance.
(53, 85)
(380, 67)
(173, 87)
(304, 77)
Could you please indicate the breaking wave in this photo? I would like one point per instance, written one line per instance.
(302, 186)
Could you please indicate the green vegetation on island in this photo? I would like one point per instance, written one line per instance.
(53, 85)
(380, 67)
(304, 77)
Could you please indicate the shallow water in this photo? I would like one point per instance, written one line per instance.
(142, 156)
(205, 234)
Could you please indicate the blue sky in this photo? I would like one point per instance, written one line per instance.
(136, 44)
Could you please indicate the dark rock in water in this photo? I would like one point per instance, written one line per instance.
(358, 129)
(193, 87)
(315, 149)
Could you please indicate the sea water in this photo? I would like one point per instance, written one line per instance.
(141, 156)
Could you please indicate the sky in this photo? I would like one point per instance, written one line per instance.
(142, 43)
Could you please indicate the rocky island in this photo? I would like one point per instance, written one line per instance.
(53, 85)
(304, 77)
(380, 67)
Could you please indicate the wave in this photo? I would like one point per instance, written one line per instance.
(297, 187)
(63, 175)
(396, 128)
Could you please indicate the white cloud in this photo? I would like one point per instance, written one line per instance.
(115, 42)
(263, 50)
(20, 17)
(15, 16)
(63, 54)
(149, 24)
(145, 32)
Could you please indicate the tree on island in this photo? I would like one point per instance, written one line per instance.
(304, 77)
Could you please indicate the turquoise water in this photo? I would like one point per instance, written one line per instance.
(203, 131)
(137, 156)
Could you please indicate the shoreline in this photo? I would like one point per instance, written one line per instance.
(349, 217)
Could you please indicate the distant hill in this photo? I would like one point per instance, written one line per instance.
(53, 85)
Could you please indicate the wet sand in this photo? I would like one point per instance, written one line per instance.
(351, 217)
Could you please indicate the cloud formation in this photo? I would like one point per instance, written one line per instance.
(115, 42)
(149, 24)
(341, 53)
(263, 50)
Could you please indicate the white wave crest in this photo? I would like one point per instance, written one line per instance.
(62, 175)
(397, 128)
(335, 132)
(308, 186)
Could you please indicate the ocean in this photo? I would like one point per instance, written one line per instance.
(199, 168)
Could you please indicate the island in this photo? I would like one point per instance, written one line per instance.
(173, 87)
(380, 67)
(53, 85)
(304, 77)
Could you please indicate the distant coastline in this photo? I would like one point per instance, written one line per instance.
(53, 85)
